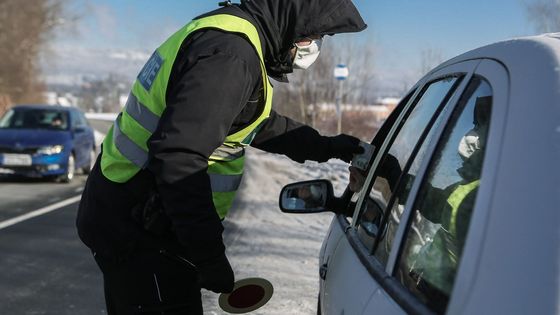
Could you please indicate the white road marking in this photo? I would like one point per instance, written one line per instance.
(157, 287)
(38, 212)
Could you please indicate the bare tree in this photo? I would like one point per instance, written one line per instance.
(317, 84)
(5, 103)
(25, 30)
(545, 15)
(359, 57)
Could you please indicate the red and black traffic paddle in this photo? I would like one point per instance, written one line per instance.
(248, 295)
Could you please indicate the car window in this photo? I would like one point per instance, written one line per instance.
(391, 220)
(77, 120)
(394, 161)
(35, 119)
(74, 120)
(377, 141)
(7, 119)
(83, 120)
(437, 229)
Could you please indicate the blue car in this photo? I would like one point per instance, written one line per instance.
(45, 141)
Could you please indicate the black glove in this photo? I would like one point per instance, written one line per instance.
(344, 147)
(216, 275)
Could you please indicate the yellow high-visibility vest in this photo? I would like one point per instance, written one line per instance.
(125, 149)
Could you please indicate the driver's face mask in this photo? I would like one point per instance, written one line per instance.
(469, 144)
(307, 54)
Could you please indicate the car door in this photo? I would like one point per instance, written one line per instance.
(353, 275)
(81, 139)
(429, 265)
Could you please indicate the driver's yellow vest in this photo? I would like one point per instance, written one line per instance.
(125, 149)
(455, 200)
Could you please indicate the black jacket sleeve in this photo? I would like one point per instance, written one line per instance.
(209, 91)
(297, 141)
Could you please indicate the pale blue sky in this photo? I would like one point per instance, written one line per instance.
(397, 23)
(399, 29)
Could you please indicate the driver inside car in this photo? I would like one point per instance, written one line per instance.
(447, 214)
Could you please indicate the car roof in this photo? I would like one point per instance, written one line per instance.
(533, 65)
(509, 51)
(43, 106)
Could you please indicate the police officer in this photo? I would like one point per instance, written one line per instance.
(170, 166)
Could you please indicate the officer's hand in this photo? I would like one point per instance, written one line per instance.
(344, 147)
(216, 275)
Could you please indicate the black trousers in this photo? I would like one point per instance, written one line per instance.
(149, 282)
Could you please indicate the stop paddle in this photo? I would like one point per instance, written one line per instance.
(248, 295)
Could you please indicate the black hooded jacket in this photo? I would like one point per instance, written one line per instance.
(282, 22)
(215, 89)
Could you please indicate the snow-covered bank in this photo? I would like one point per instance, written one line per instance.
(283, 248)
(102, 116)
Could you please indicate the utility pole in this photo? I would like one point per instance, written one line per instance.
(341, 74)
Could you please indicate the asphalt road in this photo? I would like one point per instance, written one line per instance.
(45, 268)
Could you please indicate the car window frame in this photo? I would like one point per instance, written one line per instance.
(498, 77)
(384, 276)
(431, 127)
(415, 148)
(447, 71)
(378, 138)
(429, 155)
(418, 89)
(450, 125)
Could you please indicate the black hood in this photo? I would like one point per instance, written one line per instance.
(282, 22)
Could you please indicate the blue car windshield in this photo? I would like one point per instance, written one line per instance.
(51, 119)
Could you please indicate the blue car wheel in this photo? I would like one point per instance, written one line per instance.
(92, 156)
(70, 170)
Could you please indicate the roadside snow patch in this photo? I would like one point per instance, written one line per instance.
(263, 242)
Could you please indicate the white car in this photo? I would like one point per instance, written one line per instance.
(459, 208)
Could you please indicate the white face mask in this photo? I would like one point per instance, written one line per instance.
(469, 144)
(307, 55)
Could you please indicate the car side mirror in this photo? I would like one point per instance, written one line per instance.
(307, 197)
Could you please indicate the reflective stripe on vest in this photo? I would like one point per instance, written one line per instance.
(141, 114)
(225, 183)
(127, 147)
(125, 150)
(226, 153)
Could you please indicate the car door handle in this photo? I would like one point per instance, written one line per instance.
(323, 271)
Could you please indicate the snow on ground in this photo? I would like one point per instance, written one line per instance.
(102, 116)
(263, 242)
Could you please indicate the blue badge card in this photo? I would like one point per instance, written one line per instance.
(150, 71)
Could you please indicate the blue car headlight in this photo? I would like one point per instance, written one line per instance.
(50, 150)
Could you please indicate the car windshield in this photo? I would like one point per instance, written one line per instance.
(35, 119)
